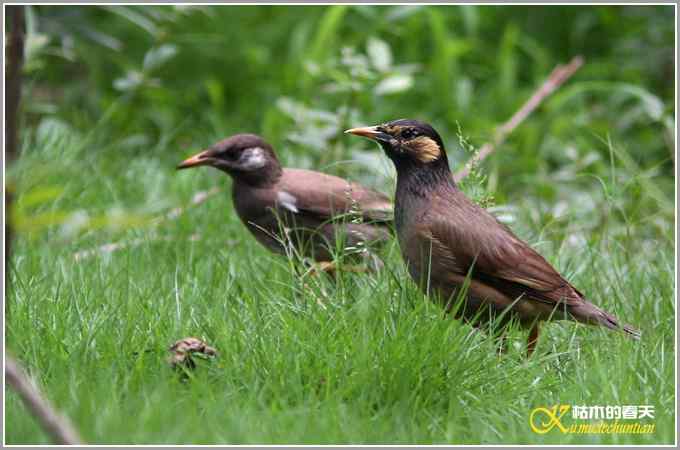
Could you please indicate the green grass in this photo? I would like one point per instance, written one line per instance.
(302, 359)
(114, 97)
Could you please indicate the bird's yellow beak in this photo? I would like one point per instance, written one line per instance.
(203, 158)
(371, 133)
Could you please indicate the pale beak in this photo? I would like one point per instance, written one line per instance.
(204, 158)
(371, 133)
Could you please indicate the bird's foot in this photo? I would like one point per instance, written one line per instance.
(332, 267)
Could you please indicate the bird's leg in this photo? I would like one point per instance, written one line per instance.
(533, 339)
(313, 268)
(331, 267)
(324, 266)
(312, 272)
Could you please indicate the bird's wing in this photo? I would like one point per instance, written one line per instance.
(326, 197)
(475, 242)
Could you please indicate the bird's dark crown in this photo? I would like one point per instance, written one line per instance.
(414, 127)
(246, 157)
(412, 141)
(234, 146)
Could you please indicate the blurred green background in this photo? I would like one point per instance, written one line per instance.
(155, 83)
(115, 96)
(168, 78)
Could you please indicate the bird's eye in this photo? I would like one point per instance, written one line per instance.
(409, 133)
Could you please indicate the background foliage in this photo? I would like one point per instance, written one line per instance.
(115, 96)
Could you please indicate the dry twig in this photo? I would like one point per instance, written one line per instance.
(197, 199)
(556, 78)
(56, 425)
(115, 246)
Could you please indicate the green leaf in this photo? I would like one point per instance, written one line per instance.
(394, 84)
(156, 57)
(380, 54)
(326, 31)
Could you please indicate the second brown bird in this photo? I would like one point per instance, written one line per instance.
(294, 210)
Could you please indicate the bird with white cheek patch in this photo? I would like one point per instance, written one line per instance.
(309, 210)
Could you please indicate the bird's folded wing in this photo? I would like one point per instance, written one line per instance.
(327, 197)
(496, 257)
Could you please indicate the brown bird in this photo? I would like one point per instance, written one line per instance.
(294, 211)
(453, 247)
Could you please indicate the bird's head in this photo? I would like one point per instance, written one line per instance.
(407, 142)
(243, 156)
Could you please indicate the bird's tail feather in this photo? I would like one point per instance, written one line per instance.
(590, 313)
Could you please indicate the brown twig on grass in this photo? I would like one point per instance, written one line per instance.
(556, 78)
(173, 214)
(197, 199)
(116, 246)
(56, 425)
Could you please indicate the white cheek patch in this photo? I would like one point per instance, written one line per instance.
(252, 158)
(288, 201)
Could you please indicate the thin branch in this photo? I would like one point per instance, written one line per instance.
(197, 199)
(556, 78)
(116, 246)
(56, 425)
(174, 213)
